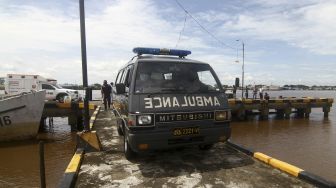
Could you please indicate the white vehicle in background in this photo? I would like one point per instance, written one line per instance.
(22, 83)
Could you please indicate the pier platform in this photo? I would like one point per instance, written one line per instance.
(221, 166)
(283, 107)
(73, 110)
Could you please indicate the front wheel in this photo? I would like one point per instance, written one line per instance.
(129, 153)
(120, 132)
(60, 97)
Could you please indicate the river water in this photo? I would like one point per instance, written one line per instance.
(19, 161)
(308, 143)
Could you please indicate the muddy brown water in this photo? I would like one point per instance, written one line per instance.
(19, 161)
(307, 143)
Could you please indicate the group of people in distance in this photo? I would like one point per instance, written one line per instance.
(261, 95)
(255, 92)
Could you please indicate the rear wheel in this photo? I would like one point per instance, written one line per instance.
(120, 128)
(205, 146)
(120, 132)
(129, 153)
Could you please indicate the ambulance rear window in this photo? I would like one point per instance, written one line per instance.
(175, 77)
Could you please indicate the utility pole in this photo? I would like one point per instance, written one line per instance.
(84, 65)
(243, 70)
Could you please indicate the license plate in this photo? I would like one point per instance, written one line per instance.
(186, 131)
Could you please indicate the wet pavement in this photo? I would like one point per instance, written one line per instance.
(221, 166)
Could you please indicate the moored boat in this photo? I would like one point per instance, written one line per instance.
(20, 115)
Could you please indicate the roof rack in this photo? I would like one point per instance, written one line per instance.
(161, 51)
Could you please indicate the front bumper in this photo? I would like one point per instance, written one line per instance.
(163, 139)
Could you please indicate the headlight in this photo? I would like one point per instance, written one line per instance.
(144, 119)
(222, 115)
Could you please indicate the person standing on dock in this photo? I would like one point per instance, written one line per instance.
(267, 96)
(255, 91)
(106, 94)
(261, 93)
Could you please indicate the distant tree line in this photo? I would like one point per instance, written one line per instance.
(95, 86)
(287, 87)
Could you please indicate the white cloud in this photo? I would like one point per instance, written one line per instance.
(310, 27)
(47, 41)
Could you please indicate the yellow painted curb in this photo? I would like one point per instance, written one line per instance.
(74, 163)
(94, 116)
(91, 106)
(279, 101)
(290, 169)
(262, 157)
(247, 101)
(91, 138)
(306, 100)
(231, 101)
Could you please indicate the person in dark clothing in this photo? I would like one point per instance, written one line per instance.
(267, 97)
(255, 91)
(106, 94)
(261, 95)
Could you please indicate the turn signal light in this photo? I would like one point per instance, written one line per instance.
(222, 115)
(143, 146)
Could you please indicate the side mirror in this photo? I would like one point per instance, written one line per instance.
(120, 88)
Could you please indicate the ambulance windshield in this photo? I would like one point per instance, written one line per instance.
(175, 77)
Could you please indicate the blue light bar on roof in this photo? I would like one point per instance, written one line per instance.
(162, 51)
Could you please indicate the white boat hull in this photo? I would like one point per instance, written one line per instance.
(20, 116)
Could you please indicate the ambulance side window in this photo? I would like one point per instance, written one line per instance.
(128, 78)
(120, 75)
(123, 76)
(117, 78)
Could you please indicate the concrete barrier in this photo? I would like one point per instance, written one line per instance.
(89, 141)
(94, 116)
(71, 172)
(285, 167)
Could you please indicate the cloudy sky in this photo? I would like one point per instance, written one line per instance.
(286, 42)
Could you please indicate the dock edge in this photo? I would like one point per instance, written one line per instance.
(71, 172)
(285, 167)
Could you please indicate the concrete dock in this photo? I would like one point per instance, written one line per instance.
(283, 107)
(222, 166)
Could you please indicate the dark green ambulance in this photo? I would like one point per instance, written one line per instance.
(164, 100)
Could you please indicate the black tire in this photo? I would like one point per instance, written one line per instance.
(120, 132)
(120, 127)
(60, 97)
(129, 153)
(205, 146)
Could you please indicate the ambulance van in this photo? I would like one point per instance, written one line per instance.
(164, 100)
